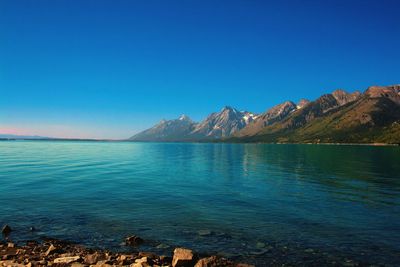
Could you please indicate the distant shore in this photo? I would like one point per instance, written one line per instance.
(199, 141)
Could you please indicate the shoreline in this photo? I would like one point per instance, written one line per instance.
(198, 142)
(54, 252)
(137, 252)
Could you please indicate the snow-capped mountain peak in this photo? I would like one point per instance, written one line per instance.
(184, 117)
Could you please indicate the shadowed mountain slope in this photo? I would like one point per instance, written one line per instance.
(167, 130)
(363, 118)
(339, 117)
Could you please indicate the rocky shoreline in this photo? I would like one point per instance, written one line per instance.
(136, 252)
(53, 252)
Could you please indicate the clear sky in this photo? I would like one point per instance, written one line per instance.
(108, 69)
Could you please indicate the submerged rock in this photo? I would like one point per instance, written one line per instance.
(260, 245)
(204, 233)
(133, 241)
(162, 246)
(6, 230)
(309, 250)
(183, 257)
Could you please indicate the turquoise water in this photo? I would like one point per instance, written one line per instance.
(236, 199)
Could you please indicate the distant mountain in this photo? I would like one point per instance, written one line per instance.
(13, 136)
(338, 117)
(217, 125)
(373, 116)
(167, 130)
(222, 124)
(279, 112)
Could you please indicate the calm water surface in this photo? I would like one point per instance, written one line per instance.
(237, 199)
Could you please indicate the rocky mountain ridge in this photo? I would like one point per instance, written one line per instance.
(371, 116)
(340, 117)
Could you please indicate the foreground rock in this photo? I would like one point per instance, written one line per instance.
(183, 258)
(52, 252)
(95, 257)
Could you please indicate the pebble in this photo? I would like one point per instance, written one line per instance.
(67, 259)
(141, 260)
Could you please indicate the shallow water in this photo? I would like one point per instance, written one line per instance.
(236, 199)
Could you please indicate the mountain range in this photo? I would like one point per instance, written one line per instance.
(216, 126)
(339, 117)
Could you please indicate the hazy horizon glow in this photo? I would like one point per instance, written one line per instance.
(108, 69)
(61, 131)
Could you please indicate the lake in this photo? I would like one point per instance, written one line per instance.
(257, 202)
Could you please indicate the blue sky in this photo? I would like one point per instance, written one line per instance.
(108, 69)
